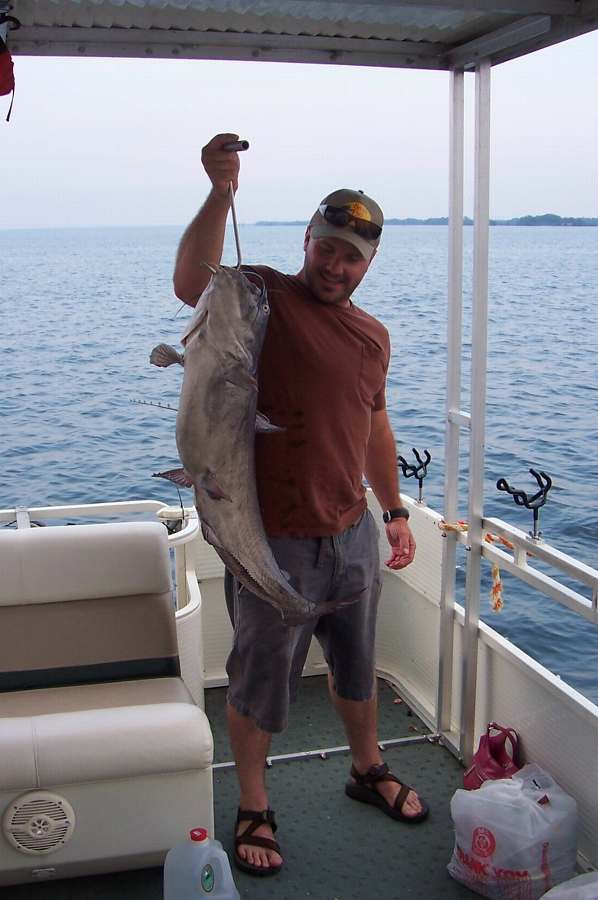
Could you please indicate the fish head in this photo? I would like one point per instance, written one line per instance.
(233, 310)
(238, 312)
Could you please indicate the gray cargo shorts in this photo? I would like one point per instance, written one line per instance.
(267, 657)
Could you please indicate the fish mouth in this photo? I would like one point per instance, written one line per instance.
(250, 275)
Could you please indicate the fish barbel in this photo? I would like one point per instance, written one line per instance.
(215, 433)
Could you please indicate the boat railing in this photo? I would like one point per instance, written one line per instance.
(110, 509)
(513, 552)
(519, 563)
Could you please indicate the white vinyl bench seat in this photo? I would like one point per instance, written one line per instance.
(65, 748)
(106, 756)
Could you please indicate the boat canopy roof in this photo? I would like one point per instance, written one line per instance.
(424, 34)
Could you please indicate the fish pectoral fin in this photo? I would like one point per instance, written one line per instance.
(209, 535)
(164, 355)
(263, 425)
(242, 379)
(177, 476)
(209, 484)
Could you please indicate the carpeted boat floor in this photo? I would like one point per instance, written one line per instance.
(334, 848)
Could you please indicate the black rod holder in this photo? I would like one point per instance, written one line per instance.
(534, 503)
(418, 470)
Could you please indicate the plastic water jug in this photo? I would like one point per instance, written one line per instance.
(198, 867)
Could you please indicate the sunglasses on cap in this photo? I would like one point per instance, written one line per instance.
(341, 217)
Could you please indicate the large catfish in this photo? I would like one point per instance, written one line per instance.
(215, 433)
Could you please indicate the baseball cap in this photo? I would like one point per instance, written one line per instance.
(351, 216)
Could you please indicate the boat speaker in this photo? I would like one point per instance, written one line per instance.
(38, 823)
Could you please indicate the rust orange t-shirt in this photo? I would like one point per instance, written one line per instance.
(322, 372)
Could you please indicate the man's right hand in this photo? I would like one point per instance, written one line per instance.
(203, 240)
(222, 166)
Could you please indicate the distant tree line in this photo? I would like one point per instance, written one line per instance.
(546, 219)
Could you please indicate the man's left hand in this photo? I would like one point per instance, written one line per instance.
(402, 544)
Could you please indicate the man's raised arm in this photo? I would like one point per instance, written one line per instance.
(203, 240)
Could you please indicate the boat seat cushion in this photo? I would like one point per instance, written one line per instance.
(80, 562)
(71, 747)
(79, 641)
(113, 694)
(86, 603)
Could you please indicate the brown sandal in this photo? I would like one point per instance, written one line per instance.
(363, 789)
(264, 817)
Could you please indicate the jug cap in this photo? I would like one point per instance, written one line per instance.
(198, 834)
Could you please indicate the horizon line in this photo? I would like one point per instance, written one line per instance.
(407, 220)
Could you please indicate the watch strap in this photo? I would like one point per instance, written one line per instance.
(401, 512)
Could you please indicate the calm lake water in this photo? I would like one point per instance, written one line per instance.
(82, 308)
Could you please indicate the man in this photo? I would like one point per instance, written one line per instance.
(321, 377)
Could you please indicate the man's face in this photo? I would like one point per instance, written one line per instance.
(332, 268)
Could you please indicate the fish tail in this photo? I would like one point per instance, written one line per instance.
(300, 615)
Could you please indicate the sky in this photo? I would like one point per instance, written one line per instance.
(118, 142)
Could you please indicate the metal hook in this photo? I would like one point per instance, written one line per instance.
(534, 503)
(418, 471)
(231, 195)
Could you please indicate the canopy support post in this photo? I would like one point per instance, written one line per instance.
(479, 340)
(453, 400)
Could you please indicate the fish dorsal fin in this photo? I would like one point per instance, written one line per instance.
(177, 476)
(164, 355)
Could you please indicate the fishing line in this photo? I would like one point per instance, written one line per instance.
(172, 526)
(182, 507)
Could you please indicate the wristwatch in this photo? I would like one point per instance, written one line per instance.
(400, 513)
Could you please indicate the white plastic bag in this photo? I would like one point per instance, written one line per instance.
(584, 887)
(514, 837)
